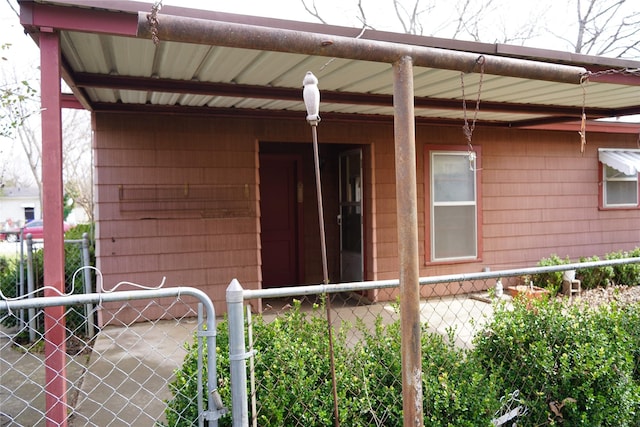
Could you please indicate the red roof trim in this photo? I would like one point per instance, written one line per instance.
(592, 126)
(35, 16)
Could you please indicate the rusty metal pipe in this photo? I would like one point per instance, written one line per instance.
(407, 214)
(219, 33)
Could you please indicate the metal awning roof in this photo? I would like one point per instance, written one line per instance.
(625, 161)
(109, 67)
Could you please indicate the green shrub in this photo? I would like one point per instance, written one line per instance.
(594, 277)
(571, 357)
(8, 276)
(375, 386)
(627, 320)
(457, 390)
(293, 367)
(9, 282)
(625, 274)
(570, 364)
(294, 384)
(551, 280)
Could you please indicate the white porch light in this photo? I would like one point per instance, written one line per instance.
(311, 95)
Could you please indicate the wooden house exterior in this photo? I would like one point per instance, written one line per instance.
(198, 195)
(538, 195)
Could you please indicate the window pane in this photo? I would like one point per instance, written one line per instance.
(454, 231)
(621, 193)
(452, 178)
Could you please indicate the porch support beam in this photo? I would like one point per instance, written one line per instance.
(116, 82)
(218, 33)
(54, 320)
(407, 218)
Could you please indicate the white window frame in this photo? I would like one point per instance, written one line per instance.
(622, 178)
(471, 158)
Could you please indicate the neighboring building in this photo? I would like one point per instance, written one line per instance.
(18, 205)
(204, 163)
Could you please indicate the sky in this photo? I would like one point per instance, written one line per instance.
(506, 16)
(383, 16)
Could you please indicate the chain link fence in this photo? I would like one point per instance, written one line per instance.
(124, 375)
(498, 348)
(23, 276)
(494, 352)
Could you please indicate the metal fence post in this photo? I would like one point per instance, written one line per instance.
(86, 262)
(30, 288)
(237, 355)
(20, 288)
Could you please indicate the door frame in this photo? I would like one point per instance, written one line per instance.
(345, 153)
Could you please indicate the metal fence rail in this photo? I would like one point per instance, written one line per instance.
(288, 385)
(121, 376)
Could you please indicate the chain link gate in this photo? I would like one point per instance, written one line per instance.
(119, 377)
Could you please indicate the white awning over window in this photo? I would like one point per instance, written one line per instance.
(625, 161)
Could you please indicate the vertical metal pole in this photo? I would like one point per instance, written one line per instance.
(252, 371)
(325, 272)
(88, 286)
(214, 402)
(323, 243)
(237, 355)
(22, 290)
(200, 398)
(54, 320)
(30, 288)
(407, 214)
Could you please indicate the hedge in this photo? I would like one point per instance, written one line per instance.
(572, 365)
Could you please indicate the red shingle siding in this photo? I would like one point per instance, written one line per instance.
(539, 196)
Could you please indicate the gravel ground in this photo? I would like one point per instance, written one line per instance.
(599, 296)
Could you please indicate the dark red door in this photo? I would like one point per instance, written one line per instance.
(279, 220)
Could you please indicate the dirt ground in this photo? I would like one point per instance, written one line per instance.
(599, 296)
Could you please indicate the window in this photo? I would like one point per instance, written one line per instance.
(619, 189)
(452, 204)
(620, 169)
(29, 214)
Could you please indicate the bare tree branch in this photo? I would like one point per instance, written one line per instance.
(411, 19)
(470, 15)
(604, 29)
(313, 10)
(363, 17)
(12, 6)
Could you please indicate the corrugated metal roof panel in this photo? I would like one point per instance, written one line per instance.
(107, 55)
(85, 53)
